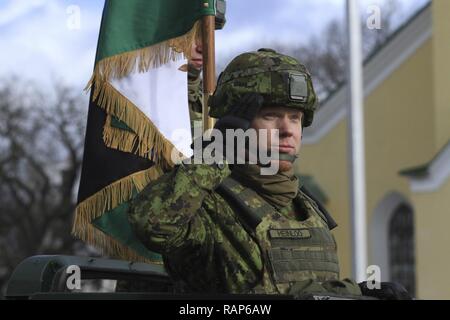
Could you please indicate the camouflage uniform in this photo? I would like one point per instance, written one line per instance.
(215, 232)
(195, 97)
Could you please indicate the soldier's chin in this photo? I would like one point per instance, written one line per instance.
(283, 165)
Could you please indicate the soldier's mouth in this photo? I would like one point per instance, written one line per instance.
(197, 62)
(285, 148)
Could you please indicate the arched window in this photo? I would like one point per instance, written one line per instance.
(401, 244)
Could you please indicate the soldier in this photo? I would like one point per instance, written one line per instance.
(195, 66)
(226, 228)
(195, 95)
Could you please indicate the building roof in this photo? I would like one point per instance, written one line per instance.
(431, 175)
(400, 46)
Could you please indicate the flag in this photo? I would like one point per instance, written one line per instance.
(138, 114)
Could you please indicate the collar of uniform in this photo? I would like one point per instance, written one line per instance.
(279, 189)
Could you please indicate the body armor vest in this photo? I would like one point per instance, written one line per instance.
(292, 250)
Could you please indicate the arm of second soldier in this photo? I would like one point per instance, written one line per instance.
(165, 215)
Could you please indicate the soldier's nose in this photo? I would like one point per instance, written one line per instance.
(199, 48)
(284, 127)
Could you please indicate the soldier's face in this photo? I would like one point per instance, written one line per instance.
(197, 55)
(288, 122)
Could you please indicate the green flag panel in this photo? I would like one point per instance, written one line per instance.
(135, 24)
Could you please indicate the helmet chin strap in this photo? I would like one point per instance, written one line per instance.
(283, 157)
(288, 157)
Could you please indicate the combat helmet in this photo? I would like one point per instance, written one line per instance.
(220, 20)
(280, 79)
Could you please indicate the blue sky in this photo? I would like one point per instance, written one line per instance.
(37, 44)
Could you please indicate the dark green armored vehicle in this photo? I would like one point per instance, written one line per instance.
(67, 277)
(78, 278)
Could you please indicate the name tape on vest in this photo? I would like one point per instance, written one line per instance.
(289, 234)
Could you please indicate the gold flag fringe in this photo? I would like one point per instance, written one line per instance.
(146, 140)
(107, 199)
(141, 60)
(149, 141)
(127, 141)
(123, 140)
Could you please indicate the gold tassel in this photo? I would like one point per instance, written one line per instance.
(141, 60)
(146, 139)
(103, 201)
(149, 140)
(124, 140)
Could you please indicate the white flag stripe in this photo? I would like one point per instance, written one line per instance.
(162, 95)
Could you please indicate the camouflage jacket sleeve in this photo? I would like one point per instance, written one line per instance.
(203, 244)
(195, 90)
(195, 97)
(165, 214)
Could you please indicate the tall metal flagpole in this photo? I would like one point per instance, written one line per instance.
(356, 143)
(209, 67)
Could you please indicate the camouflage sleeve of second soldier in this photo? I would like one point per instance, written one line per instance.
(195, 97)
(166, 214)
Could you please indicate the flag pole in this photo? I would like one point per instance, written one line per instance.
(356, 143)
(209, 67)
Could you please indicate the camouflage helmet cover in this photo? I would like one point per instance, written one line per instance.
(280, 79)
(221, 8)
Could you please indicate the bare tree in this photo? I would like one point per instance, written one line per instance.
(41, 144)
(326, 54)
(375, 38)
